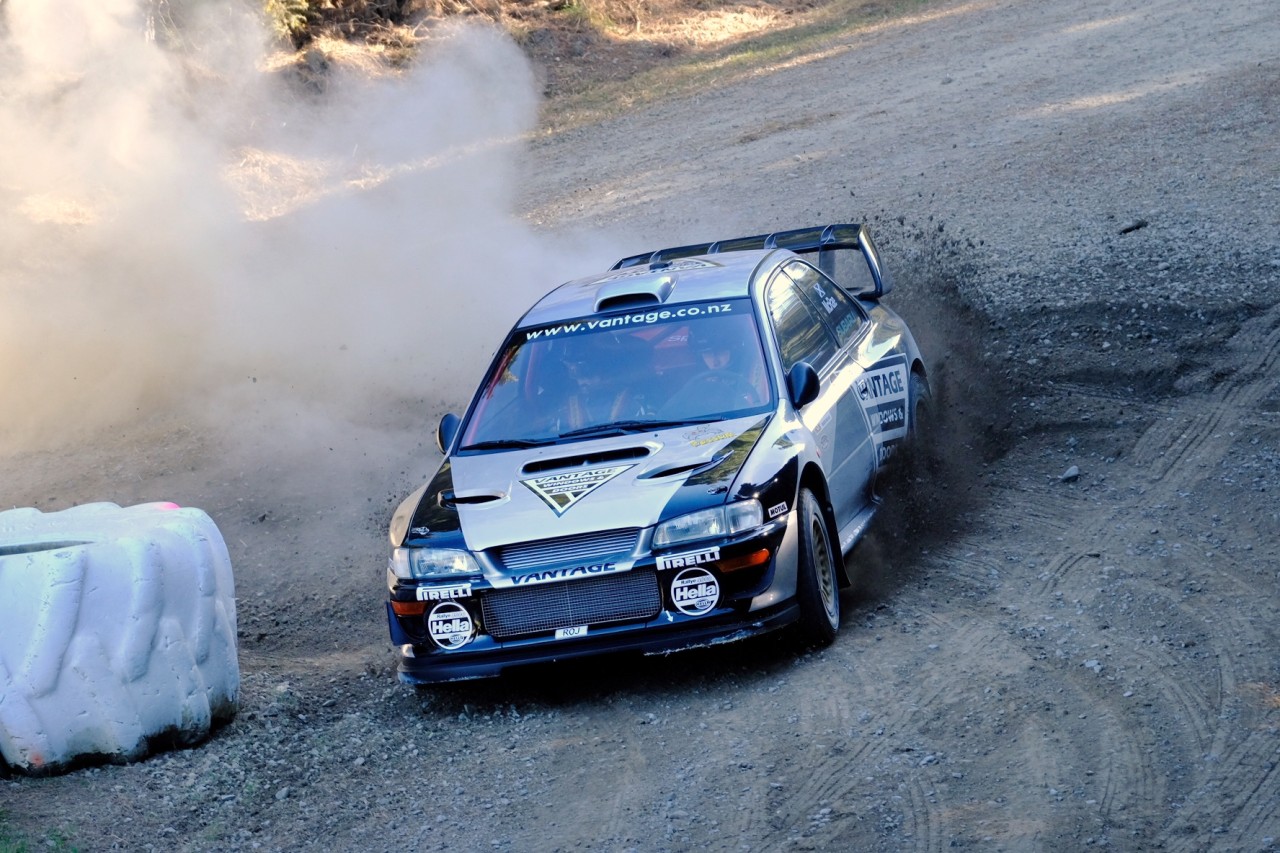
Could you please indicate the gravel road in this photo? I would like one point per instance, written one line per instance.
(1068, 629)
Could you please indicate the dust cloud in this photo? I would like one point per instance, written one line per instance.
(184, 229)
(940, 480)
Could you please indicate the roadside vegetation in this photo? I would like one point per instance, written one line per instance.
(593, 57)
(12, 841)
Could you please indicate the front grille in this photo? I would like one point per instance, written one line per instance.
(623, 597)
(583, 548)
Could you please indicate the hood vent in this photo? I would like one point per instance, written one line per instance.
(675, 470)
(448, 498)
(685, 467)
(622, 454)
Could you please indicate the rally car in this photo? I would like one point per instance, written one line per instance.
(674, 453)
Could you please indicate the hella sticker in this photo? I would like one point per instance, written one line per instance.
(561, 491)
(695, 591)
(444, 593)
(693, 558)
(450, 625)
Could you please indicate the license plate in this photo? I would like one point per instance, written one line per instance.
(575, 631)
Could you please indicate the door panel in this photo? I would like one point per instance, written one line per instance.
(836, 418)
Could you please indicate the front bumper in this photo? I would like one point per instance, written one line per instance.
(649, 638)
(752, 600)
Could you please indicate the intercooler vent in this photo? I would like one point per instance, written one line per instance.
(580, 549)
(623, 597)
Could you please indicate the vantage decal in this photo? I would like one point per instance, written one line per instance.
(886, 380)
(648, 318)
(561, 491)
(693, 558)
(888, 416)
(564, 574)
(883, 392)
(885, 451)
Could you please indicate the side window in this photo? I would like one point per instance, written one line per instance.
(832, 303)
(801, 335)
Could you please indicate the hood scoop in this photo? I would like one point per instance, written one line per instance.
(579, 460)
(635, 292)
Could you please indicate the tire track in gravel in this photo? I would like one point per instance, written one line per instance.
(852, 748)
(1048, 759)
(909, 785)
(1230, 788)
(1172, 735)
(1184, 436)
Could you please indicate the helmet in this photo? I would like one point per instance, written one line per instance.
(712, 336)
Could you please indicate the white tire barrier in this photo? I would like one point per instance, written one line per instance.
(117, 633)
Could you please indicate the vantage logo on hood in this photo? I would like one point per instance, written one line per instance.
(561, 491)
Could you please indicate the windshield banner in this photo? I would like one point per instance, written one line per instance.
(647, 318)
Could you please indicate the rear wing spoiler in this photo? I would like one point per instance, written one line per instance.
(845, 253)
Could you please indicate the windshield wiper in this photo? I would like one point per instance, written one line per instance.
(637, 425)
(507, 443)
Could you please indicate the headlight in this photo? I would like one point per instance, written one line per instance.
(705, 524)
(429, 563)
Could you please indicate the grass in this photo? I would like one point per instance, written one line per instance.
(816, 33)
(13, 841)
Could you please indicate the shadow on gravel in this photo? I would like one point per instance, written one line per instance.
(565, 684)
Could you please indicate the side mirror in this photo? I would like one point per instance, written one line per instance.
(447, 431)
(802, 384)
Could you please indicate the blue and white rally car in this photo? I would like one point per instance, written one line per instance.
(674, 453)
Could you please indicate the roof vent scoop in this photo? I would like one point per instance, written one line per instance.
(635, 292)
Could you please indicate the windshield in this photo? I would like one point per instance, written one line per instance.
(622, 372)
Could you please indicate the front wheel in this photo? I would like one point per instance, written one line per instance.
(921, 408)
(817, 590)
(920, 451)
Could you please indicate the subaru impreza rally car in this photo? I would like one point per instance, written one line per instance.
(674, 453)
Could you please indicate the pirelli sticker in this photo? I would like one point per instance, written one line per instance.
(444, 593)
(563, 490)
(691, 558)
(883, 392)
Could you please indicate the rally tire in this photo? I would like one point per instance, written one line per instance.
(817, 580)
(117, 634)
(920, 402)
(921, 455)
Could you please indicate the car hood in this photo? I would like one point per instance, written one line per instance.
(595, 485)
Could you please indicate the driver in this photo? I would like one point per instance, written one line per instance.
(719, 386)
(602, 395)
